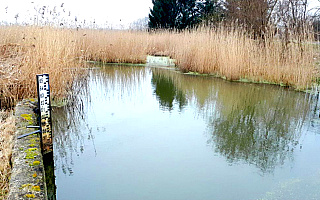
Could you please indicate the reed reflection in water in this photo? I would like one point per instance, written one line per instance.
(70, 123)
(67, 121)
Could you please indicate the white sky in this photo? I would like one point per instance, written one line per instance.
(104, 12)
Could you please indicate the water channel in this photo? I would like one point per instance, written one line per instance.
(139, 133)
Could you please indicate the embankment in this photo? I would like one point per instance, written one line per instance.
(28, 175)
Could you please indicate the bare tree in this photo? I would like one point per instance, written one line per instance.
(316, 21)
(292, 15)
(292, 21)
(254, 14)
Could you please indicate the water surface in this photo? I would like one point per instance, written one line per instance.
(154, 134)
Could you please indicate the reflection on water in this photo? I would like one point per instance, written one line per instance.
(260, 129)
(67, 125)
(167, 93)
(258, 124)
(69, 139)
(120, 116)
(70, 122)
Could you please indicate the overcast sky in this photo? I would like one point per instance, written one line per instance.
(112, 12)
(115, 12)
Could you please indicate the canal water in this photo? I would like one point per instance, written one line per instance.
(138, 133)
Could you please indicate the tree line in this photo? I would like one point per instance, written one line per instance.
(181, 14)
(291, 16)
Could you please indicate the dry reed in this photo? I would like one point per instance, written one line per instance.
(7, 129)
(28, 50)
(234, 55)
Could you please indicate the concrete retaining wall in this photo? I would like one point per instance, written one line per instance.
(28, 175)
(160, 61)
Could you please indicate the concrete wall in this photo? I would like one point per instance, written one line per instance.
(160, 61)
(28, 176)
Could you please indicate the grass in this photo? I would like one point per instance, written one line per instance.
(7, 129)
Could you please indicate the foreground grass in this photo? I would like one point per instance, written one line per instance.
(7, 129)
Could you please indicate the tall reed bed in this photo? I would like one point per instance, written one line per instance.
(27, 51)
(226, 52)
(231, 53)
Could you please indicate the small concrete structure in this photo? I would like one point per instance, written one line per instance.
(160, 61)
(28, 175)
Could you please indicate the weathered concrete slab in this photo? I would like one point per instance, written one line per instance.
(28, 176)
(160, 61)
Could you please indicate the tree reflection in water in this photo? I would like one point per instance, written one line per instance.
(261, 129)
(167, 93)
(252, 123)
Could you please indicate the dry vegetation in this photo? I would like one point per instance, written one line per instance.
(234, 55)
(28, 50)
(7, 128)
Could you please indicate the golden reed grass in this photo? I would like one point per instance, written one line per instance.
(234, 55)
(29, 50)
(7, 129)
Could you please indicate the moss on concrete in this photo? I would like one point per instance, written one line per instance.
(30, 195)
(28, 118)
(35, 163)
(27, 179)
(31, 153)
